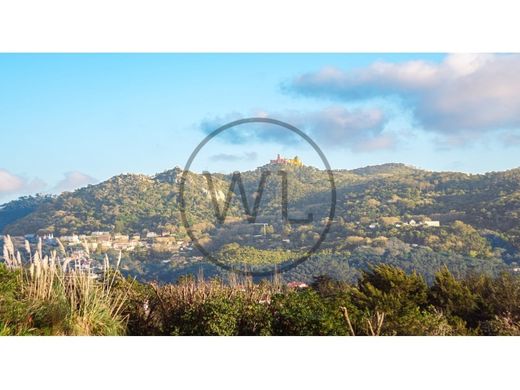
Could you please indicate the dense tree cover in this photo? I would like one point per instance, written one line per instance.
(489, 201)
(343, 265)
(20, 208)
(347, 266)
(478, 214)
(375, 274)
(393, 190)
(234, 254)
(385, 300)
(123, 204)
(137, 202)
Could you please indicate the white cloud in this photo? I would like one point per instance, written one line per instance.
(10, 183)
(358, 130)
(464, 96)
(338, 127)
(74, 180)
(251, 156)
(14, 184)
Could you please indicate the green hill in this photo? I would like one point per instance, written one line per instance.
(489, 203)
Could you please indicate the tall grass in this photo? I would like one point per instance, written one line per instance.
(198, 306)
(66, 298)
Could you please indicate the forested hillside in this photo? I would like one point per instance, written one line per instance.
(132, 203)
(392, 214)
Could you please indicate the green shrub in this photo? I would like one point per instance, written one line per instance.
(305, 313)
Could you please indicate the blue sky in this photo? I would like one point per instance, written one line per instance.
(67, 120)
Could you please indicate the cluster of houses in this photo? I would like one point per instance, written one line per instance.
(104, 241)
(412, 223)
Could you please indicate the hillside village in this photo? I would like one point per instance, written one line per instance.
(104, 241)
(87, 251)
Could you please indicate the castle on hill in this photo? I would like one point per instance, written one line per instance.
(296, 162)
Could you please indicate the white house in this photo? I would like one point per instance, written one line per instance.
(74, 239)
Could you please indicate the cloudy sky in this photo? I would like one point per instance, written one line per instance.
(71, 120)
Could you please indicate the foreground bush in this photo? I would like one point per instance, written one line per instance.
(48, 296)
(54, 297)
(199, 307)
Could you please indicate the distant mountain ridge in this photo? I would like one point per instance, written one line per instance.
(134, 203)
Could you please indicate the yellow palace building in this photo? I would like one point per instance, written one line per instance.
(295, 162)
(289, 161)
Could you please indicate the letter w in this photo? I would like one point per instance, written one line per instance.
(237, 178)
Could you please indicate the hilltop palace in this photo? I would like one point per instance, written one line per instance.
(287, 161)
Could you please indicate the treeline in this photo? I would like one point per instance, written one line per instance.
(133, 203)
(385, 301)
(20, 208)
(343, 265)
